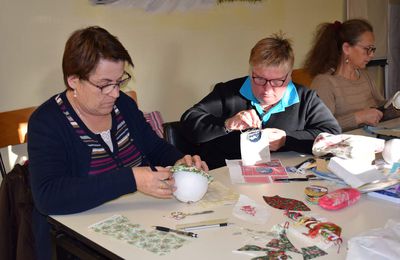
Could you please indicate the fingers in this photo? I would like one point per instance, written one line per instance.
(255, 119)
(158, 184)
(194, 160)
(370, 116)
(245, 119)
(167, 186)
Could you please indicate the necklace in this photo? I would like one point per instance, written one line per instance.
(75, 107)
(99, 125)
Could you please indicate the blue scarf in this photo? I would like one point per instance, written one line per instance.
(289, 98)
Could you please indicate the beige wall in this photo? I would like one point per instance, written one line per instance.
(178, 56)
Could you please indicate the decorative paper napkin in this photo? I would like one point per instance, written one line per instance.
(286, 203)
(119, 227)
(218, 195)
(278, 247)
(248, 210)
(260, 173)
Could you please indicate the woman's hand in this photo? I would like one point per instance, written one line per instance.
(158, 183)
(368, 116)
(193, 161)
(243, 120)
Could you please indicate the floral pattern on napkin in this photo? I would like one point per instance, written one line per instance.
(119, 227)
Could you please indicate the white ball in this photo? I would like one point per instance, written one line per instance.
(391, 152)
(190, 186)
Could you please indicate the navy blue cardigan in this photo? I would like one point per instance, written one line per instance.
(59, 163)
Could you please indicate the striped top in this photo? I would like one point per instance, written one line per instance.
(125, 153)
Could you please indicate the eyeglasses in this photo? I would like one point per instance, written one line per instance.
(272, 82)
(108, 88)
(368, 49)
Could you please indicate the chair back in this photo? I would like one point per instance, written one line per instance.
(14, 126)
(302, 77)
(173, 134)
(132, 94)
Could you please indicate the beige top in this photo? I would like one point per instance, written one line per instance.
(344, 97)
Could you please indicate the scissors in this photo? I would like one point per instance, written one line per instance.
(178, 215)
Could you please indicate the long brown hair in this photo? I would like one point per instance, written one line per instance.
(328, 41)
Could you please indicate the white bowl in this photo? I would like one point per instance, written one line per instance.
(190, 186)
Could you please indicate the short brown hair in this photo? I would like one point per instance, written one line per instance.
(84, 49)
(275, 50)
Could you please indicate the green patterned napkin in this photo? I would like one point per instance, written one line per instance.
(185, 168)
(119, 227)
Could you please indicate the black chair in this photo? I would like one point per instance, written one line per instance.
(173, 134)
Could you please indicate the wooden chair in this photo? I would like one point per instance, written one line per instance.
(132, 94)
(14, 126)
(301, 76)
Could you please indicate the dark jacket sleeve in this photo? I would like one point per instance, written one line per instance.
(205, 120)
(314, 118)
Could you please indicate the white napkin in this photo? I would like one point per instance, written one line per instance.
(248, 210)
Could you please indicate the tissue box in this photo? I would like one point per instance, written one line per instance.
(354, 172)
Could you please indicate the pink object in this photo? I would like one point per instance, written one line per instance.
(339, 199)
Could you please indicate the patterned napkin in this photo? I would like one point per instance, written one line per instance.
(119, 227)
(248, 210)
(285, 203)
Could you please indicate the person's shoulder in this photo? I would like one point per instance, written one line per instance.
(324, 76)
(302, 90)
(47, 108)
(231, 84)
(323, 80)
(125, 100)
(364, 73)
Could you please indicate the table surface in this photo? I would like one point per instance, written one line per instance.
(393, 123)
(218, 243)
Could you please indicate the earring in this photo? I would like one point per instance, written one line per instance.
(75, 95)
(346, 60)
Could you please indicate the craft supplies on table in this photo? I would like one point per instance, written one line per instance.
(179, 232)
(222, 222)
(178, 215)
(120, 228)
(339, 199)
(390, 194)
(314, 193)
(260, 173)
(314, 230)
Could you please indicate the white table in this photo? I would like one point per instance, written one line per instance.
(218, 243)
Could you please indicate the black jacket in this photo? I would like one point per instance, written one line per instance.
(16, 204)
(204, 123)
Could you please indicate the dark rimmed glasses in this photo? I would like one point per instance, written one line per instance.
(369, 49)
(108, 88)
(272, 82)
